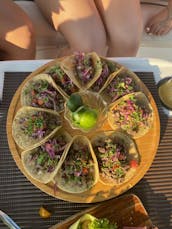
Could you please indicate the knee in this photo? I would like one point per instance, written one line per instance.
(25, 37)
(30, 40)
(96, 43)
(124, 48)
(19, 42)
(29, 34)
(91, 42)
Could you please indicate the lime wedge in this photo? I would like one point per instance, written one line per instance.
(78, 114)
(74, 102)
(88, 119)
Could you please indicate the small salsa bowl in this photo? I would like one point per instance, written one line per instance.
(165, 92)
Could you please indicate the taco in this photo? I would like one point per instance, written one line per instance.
(32, 126)
(83, 68)
(123, 83)
(43, 162)
(117, 157)
(109, 69)
(79, 170)
(62, 80)
(40, 91)
(132, 113)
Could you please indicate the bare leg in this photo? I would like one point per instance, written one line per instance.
(123, 20)
(16, 33)
(78, 21)
(155, 19)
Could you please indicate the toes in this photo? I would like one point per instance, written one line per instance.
(163, 30)
(160, 32)
(147, 29)
(159, 28)
(154, 29)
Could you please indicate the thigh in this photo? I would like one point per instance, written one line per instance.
(78, 20)
(16, 33)
(59, 12)
(123, 19)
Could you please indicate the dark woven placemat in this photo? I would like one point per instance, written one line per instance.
(22, 200)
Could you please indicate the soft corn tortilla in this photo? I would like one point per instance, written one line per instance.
(24, 141)
(141, 100)
(26, 90)
(68, 86)
(121, 73)
(129, 144)
(71, 187)
(41, 175)
(111, 69)
(68, 65)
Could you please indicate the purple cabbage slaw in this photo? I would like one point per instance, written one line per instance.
(84, 67)
(131, 115)
(121, 85)
(112, 158)
(62, 79)
(42, 94)
(107, 69)
(39, 124)
(77, 168)
(47, 156)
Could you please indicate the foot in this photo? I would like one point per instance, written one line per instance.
(160, 24)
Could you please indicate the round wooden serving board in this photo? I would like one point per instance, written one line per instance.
(147, 147)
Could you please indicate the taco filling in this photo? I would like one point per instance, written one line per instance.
(113, 159)
(131, 115)
(39, 124)
(107, 69)
(62, 79)
(84, 67)
(120, 86)
(46, 157)
(42, 94)
(77, 169)
(88, 221)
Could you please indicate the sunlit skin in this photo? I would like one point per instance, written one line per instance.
(161, 22)
(17, 40)
(109, 27)
(13, 38)
(76, 20)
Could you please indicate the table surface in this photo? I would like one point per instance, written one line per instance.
(21, 200)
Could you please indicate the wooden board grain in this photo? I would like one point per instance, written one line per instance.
(147, 147)
(126, 210)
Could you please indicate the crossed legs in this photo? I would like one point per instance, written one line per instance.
(109, 27)
(93, 25)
